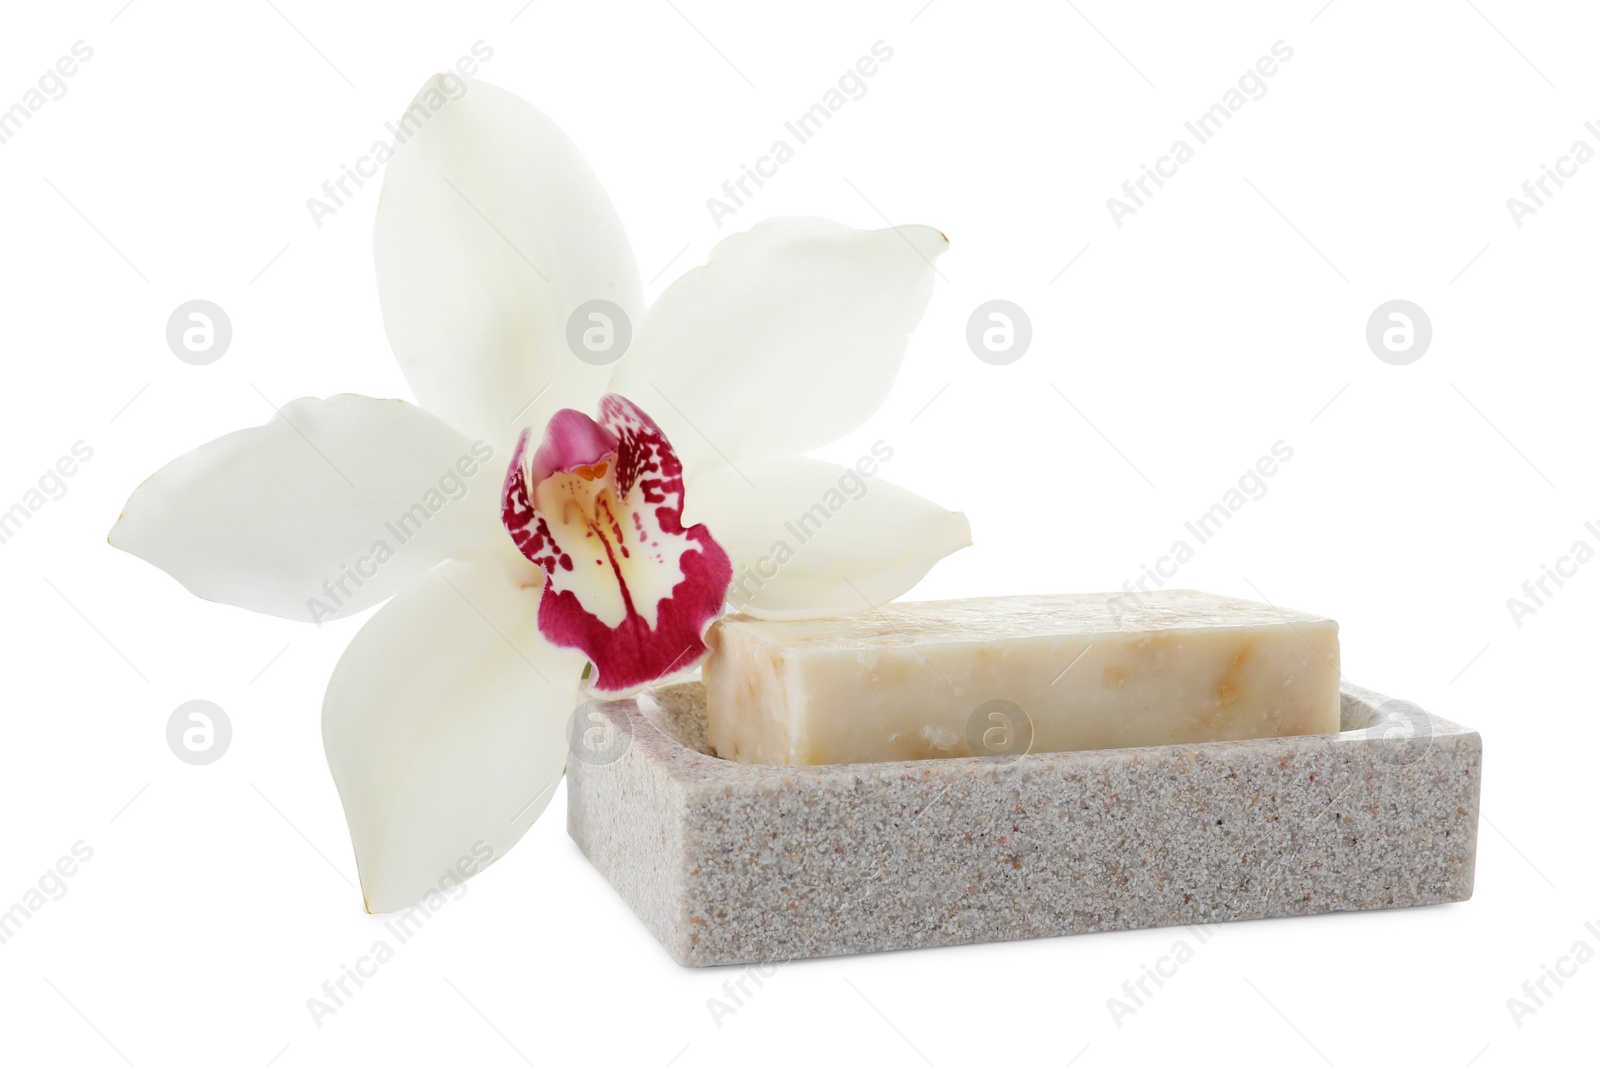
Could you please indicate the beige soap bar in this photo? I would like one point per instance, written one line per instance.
(1006, 675)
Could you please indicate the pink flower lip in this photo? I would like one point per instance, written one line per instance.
(571, 440)
(599, 507)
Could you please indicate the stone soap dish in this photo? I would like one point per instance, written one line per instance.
(732, 863)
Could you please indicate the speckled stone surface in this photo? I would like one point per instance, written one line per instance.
(731, 863)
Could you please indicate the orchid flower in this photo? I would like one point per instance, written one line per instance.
(445, 719)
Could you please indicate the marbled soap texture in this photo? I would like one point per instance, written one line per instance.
(1062, 673)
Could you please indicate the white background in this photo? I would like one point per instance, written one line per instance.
(1226, 315)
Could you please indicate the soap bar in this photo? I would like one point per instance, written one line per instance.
(1002, 676)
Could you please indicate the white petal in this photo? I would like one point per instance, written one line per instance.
(812, 539)
(445, 728)
(330, 508)
(491, 231)
(787, 339)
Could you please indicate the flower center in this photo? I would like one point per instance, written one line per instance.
(599, 507)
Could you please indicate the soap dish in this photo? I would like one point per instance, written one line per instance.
(733, 863)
